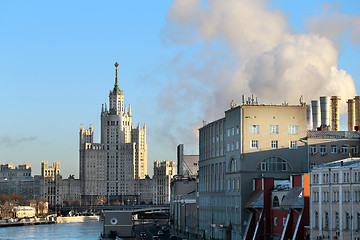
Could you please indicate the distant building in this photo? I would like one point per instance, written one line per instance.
(252, 140)
(17, 180)
(335, 200)
(187, 165)
(70, 191)
(163, 173)
(51, 182)
(113, 166)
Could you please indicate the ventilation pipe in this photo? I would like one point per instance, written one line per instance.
(315, 106)
(351, 114)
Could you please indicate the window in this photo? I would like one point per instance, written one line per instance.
(276, 202)
(275, 221)
(232, 146)
(274, 144)
(237, 129)
(254, 144)
(273, 164)
(313, 149)
(232, 131)
(316, 219)
(293, 129)
(284, 221)
(232, 165)
(274, 129)
(326, 220)
(333, 149)
(228, 132)
(358, 221)
(237, 144)
(344, 149)
(354, 150)
(293, 145)
(347, 221)
(228, 147)
(322, 149)
(255, 129)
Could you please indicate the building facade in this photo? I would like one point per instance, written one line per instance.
(113, 166)
(250, 141)
(50, 182)
(335, 200)
(17, 180)
(163, 173)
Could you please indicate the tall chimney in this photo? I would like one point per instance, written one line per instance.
(325, 111)
(351, 114)
(180, 159)
(357, 111)
(335, 113)
(315, 106)
(309, 120)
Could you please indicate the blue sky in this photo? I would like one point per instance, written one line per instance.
(57, 67)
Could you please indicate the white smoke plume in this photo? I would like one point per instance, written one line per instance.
(244, 47)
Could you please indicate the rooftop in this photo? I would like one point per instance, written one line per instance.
(333, 134)
(343, 163)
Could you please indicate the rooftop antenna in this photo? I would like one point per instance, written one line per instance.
(243, 99)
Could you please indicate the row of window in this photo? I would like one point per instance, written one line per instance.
(326, 196)
(336, 221)
(273, 129)
(335, 179)
(334, 149)
(254, 144)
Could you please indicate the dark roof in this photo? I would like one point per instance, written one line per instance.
(256, 200)
(293, 199)
(333, 134)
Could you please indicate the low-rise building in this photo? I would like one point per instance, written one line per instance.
(335, 200)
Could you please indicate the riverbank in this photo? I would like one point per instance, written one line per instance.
(76, 219)
(47, 220)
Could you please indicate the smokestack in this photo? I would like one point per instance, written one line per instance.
(335, 113)
(309, 120)
(180, 159)
(325, 111)
(357, 111)
(315, 107)
(351, 114)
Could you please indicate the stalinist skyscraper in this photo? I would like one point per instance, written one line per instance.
(113, 166)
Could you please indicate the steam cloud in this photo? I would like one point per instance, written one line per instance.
(243, 47)
(7, 141)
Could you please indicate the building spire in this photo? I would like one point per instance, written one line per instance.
(116, 86)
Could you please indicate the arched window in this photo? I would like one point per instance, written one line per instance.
(326, 220)
(274, 164)
(316, 219)
(347, 221)
(336, 220)
(276, 202)
(233, 165)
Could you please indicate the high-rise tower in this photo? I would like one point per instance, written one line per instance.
(113, 166)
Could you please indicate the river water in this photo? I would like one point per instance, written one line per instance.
(84, 230)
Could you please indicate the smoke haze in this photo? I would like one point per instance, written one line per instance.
(243, 47)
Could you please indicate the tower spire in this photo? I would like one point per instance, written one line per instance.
(116, 86)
